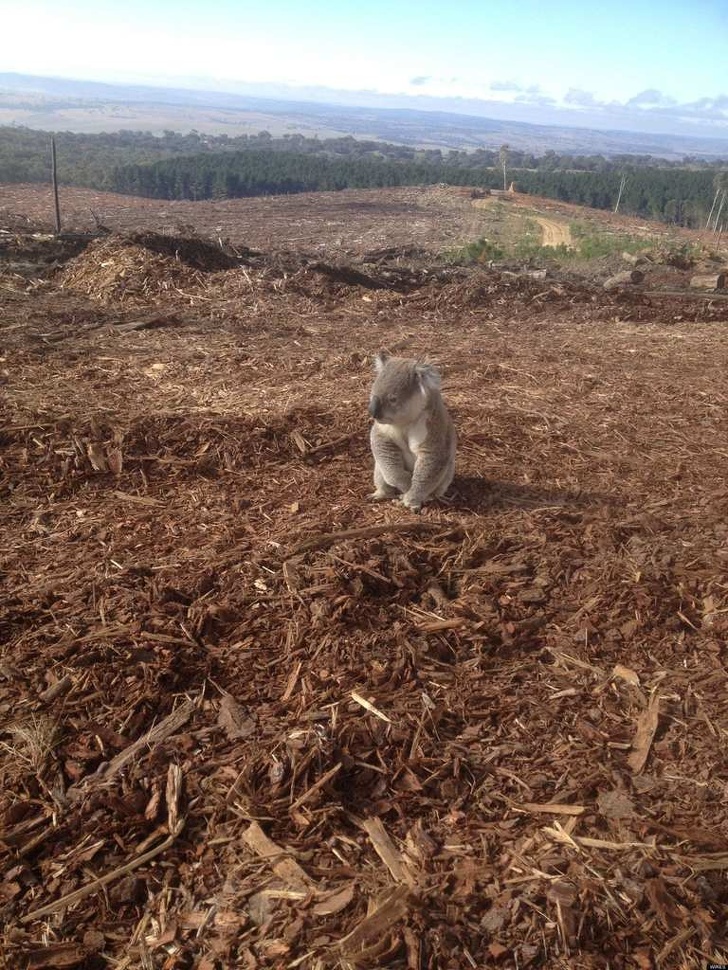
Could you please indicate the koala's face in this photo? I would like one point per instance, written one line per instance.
(399, 392)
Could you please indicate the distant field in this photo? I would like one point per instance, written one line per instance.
(158, 119)
(84, 106)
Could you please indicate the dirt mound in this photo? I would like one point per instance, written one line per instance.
(190, 250)
(326, 281)
(147, 267)
(496, 289)
(127, 270)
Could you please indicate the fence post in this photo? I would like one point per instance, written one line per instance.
(54, 175)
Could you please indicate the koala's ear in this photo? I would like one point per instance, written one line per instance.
(428, 377)
(380, 360)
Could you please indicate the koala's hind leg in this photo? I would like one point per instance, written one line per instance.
(427, 483)
(383, 490)
(446, 480)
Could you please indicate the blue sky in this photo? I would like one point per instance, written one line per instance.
(659, 65)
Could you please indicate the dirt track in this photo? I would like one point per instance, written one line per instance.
(499, 727)
(554, 233)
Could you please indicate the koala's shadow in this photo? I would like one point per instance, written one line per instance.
(477, 493)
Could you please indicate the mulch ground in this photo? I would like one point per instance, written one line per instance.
(249, 719)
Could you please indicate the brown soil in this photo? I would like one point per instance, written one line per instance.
(250, 719)
(554, 233)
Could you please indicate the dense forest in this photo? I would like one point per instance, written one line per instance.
(676, 195)
(195, 166)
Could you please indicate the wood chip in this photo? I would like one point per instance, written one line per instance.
(551, 808)
(287, 869)
(387, 851)
(334, 902)
(54, 955)
(646, 728)
(368, 706)
(389, 910)
(626, 673)
(167, 727)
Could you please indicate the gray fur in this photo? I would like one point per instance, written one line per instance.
(412, 437)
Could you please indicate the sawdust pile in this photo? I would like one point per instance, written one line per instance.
(131, 271)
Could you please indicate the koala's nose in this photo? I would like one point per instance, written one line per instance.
(375, 407)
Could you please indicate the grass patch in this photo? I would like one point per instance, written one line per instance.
(528, 249)
(512, 235)
(481, 251)
(591, 243)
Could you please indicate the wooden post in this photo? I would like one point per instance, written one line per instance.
(710, 214)
(720, 209)
(54, 176)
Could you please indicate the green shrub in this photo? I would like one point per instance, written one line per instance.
(481, 251)
(592, 243)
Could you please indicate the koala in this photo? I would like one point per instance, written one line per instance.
(412, 437)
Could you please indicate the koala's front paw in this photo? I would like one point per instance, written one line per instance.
(380, 496)
(411, 501)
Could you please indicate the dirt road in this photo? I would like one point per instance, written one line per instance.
(554, 233)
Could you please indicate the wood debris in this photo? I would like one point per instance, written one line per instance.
(646, 729)
(263, 722)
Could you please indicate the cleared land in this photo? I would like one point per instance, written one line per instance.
(249, 719)
(342, 225)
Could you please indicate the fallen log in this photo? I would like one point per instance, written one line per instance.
(710, 282)
(627, 277)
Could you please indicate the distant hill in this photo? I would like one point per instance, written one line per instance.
(58, 104)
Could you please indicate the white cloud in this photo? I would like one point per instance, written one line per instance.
(651, 98)
(505, 86)
(581, 98)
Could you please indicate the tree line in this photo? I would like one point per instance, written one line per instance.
(680, 196)
(198, 166)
